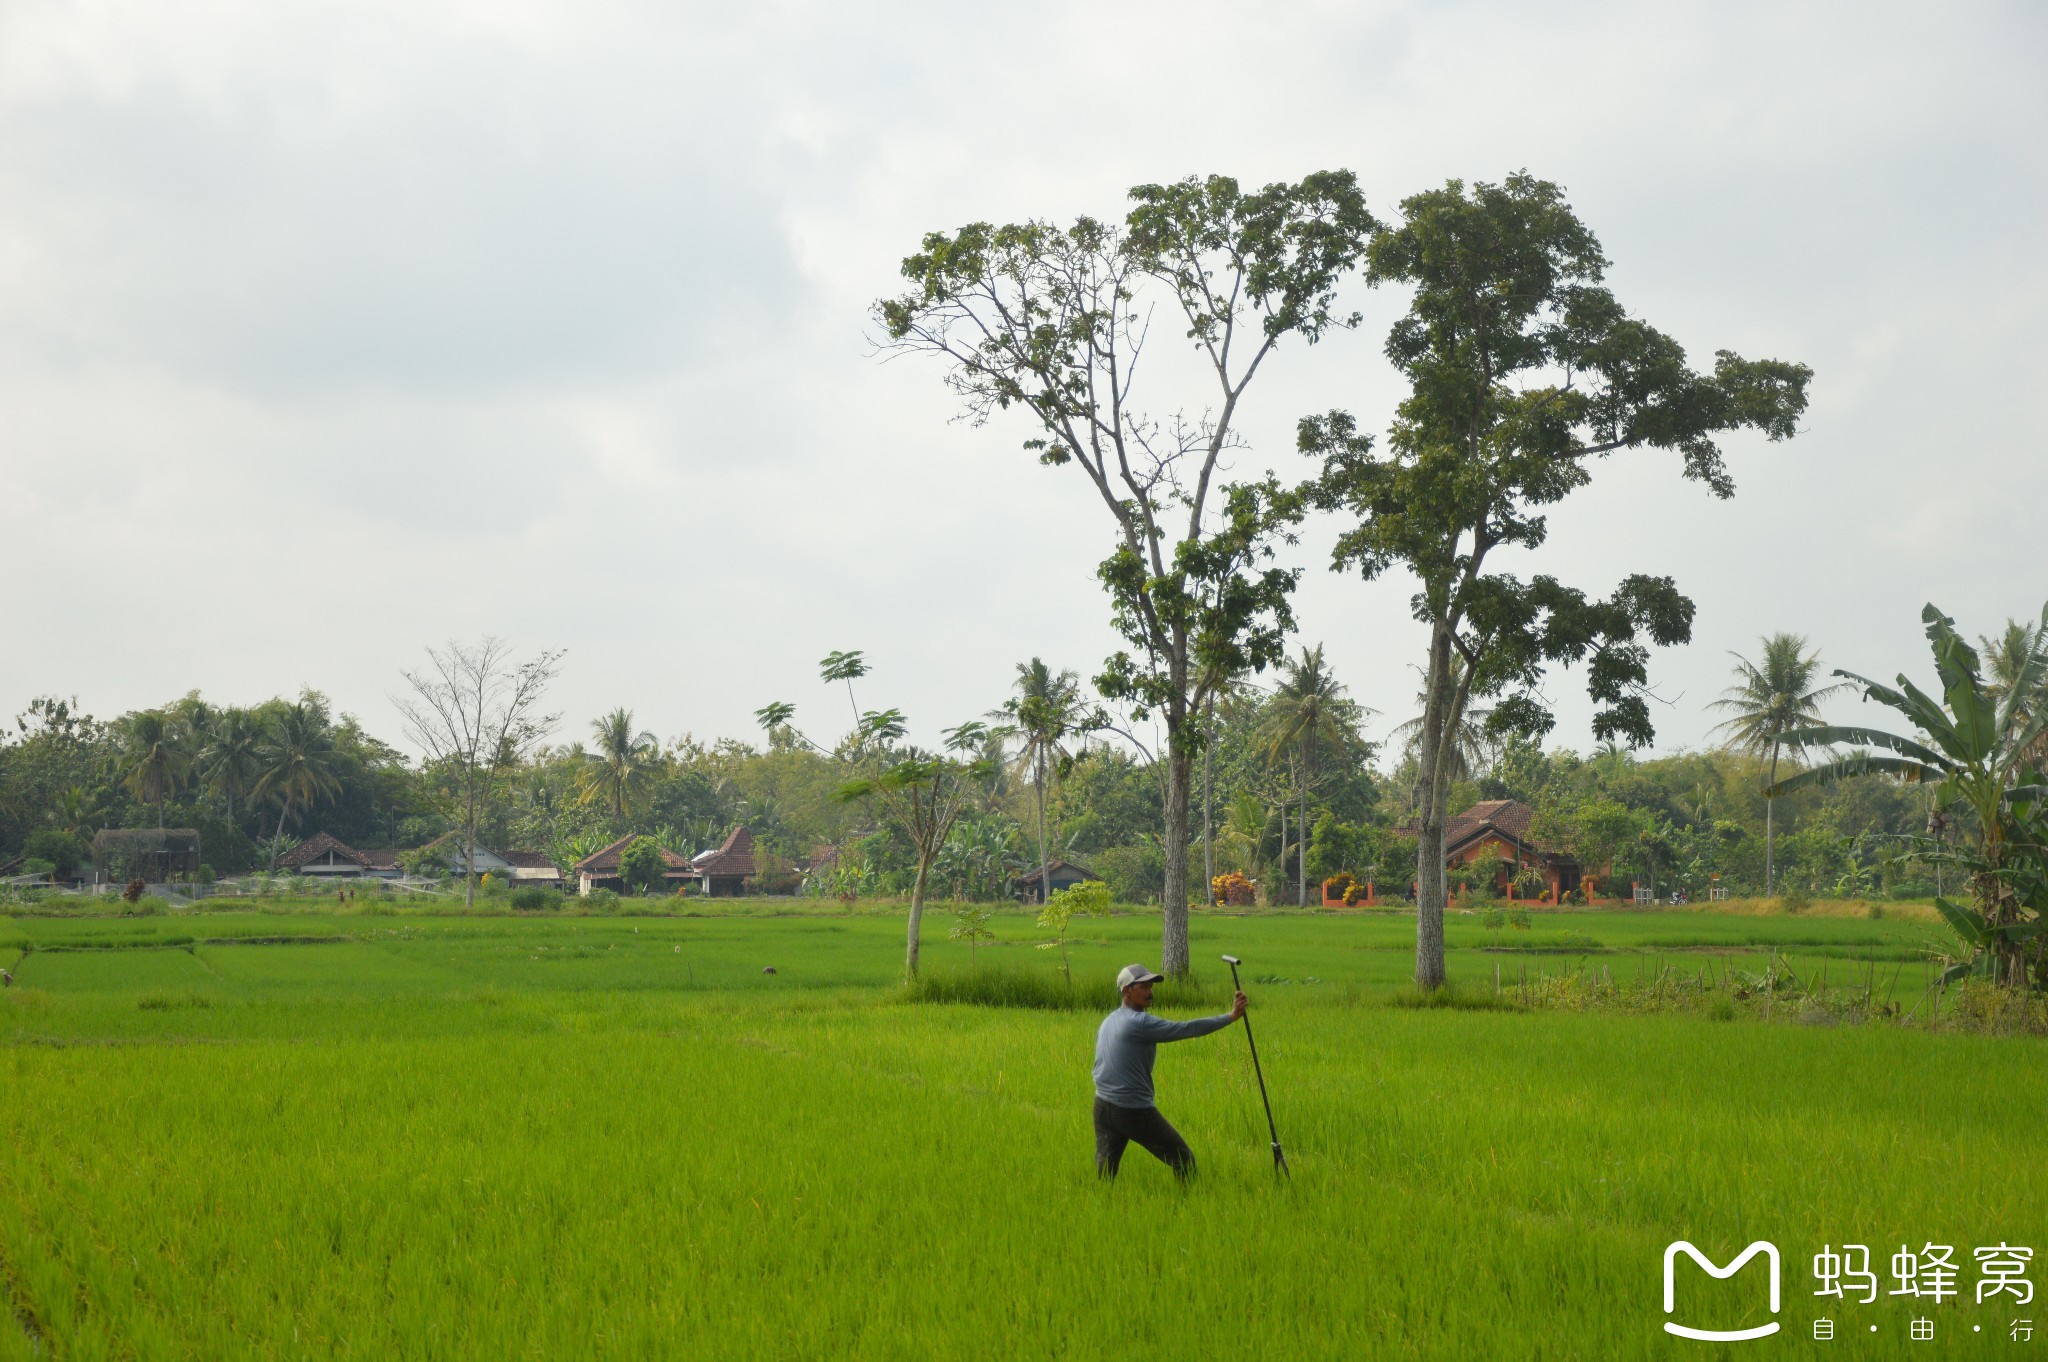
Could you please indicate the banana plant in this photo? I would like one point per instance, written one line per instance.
(1971, 746)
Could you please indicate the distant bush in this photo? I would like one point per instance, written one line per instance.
(1135, 874)
(150, 905)
(1232, 890)
(36, 865)
(204, 875)
(133, 892)
(531, 897)
(63, 852)
(1493, 919)
(603, 900)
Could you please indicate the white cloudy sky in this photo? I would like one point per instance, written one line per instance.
(328, 331)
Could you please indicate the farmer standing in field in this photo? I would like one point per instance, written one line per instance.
(1125, 1046)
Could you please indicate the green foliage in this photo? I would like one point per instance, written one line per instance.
(1976, 746)
(600, 900)
(534, 898)
(641, 865)
(970, 924)
(63, 852)
(1133, 874)
(1090, 898)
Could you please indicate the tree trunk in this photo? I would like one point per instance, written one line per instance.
(469, 851)
(283, 810)
(1044, 850)
(1439, 720)
(1770, 869)
(1208, 821)
(924, 865)
(1301, 847)
(1173, 898)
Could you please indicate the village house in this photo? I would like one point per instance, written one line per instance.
(323, 856)
(724, 872)
(1500, 827)
(600, 869)
(1064, 875)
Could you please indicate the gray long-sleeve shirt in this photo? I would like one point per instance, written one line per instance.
(1126, 1045)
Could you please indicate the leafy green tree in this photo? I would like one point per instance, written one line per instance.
(1054, 320)
(1522, 369)
(477, 713)
(1973, 747)
(77, 810)
(1045, 714)
(296, 764)
(1769, 699)
(641, 865)
(970, 924)
(623, 765)
(1089, 898)
(154, 762)
(922, 794)
(230, 760)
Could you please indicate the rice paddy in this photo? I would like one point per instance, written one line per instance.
(308, 1134)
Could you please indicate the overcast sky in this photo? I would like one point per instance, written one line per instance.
(330, 331)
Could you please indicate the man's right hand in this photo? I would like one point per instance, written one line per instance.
(1238, 1005)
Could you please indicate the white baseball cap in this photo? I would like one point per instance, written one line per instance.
(1135, 974)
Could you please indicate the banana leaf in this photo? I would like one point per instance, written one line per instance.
(1968, 922)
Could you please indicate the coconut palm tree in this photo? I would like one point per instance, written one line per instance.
(619, 769)
(1045, 713)
(296, 760)
(2006, 662)
(230, 760)
(154, 760)
(76, 810)
(1307, 714)
(1770, 699)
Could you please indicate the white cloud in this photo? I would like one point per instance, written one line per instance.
(327, 331)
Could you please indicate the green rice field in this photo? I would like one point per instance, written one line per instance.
(301, 1134)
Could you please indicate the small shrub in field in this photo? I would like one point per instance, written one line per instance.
(1233, 890)
(971, 925)
(134, 890)
(531, 897)
(1874, 911)
(1519, 920)
(1795, 896)
(204, 875)
(150, 905)
(1493, 919)
(1723, 1009)
(602, 900)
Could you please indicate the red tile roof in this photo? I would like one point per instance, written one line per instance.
(605, 860)
(527, 860)
(734, 859)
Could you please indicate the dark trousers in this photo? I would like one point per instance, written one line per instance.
(1116, 1127)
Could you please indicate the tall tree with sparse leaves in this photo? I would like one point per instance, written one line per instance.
(1522, 370)
(478, 711)
(1054, 320)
